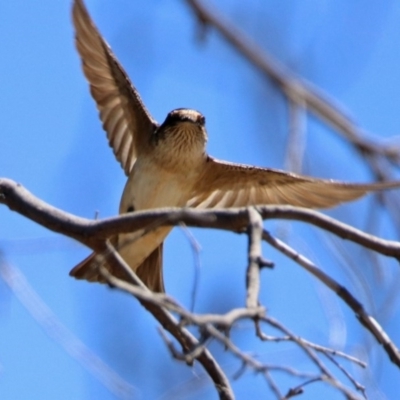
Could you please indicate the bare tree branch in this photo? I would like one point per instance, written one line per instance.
(367, 320)
(157, 308)
(46, 319)
(316, 347)
(93, 233)
(326, 375)
(255, 258)
(210, 325)
(357, 385)
(297, 90)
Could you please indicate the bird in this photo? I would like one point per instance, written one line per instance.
(167, 164)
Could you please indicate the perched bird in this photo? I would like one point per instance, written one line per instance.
(167, 165)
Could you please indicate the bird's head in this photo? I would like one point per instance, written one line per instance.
(184, 115)
(183, 131)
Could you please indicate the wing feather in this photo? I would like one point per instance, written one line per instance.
(125, 118)
(223, 184)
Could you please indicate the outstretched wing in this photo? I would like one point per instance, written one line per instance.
(225, 184)
(125, 118)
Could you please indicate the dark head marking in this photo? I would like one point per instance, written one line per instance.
(130, 209)
(184, 115)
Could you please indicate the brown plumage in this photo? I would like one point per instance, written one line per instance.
(150, 270)
(224, 184)
(167, 165)
(125, 118)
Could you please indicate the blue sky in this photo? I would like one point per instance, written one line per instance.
(53, 144)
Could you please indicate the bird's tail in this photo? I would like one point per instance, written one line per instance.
(149, 271)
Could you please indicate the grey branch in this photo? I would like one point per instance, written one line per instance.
(316, 347)
(156, 305)
(255, 257)
(297, 90)
(54, 328)
(367, 320)
(210, 326)
(93, 233)
(326, 375)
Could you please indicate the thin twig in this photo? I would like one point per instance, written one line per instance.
(326, 375)
(296, 391)
(356, 384)
(207, 325)
(296, 89)
(155, 303)
(316, 347)
(46, 319)
(188, 357)
(367, 320)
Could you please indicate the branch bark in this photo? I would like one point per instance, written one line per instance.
(93, 233)
(20, 200)
(368, 321)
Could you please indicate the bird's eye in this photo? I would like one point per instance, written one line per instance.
(130, 209)
(201, 119)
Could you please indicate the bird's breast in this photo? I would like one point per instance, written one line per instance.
(152, 186)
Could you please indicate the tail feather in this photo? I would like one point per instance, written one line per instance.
(149, 271)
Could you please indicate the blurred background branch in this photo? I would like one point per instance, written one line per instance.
(262, 110)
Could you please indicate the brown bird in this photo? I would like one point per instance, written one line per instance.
(167, 165)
